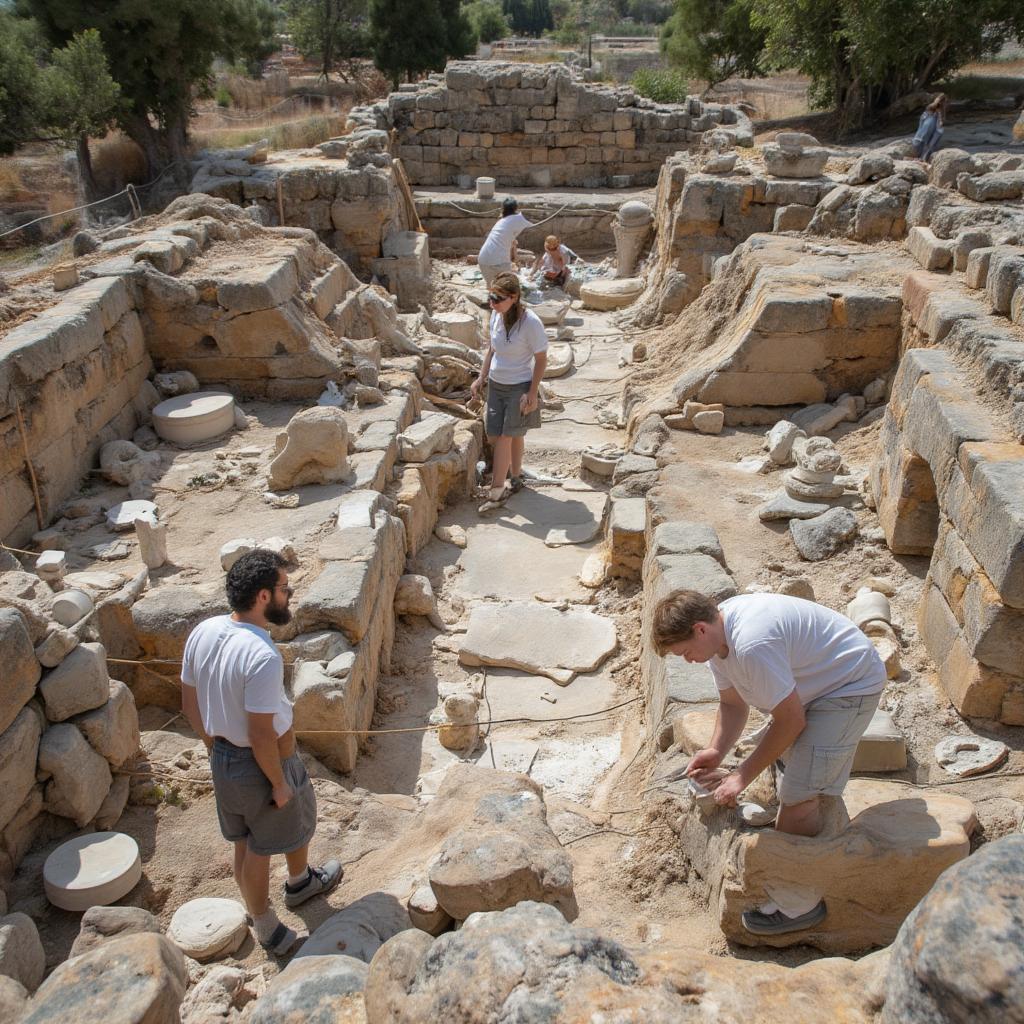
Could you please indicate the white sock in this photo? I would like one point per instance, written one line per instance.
(265, 923)
(299, 879)
(496, 492)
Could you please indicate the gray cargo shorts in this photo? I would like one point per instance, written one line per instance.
(244, 806)
(502, 417)
(821, 757)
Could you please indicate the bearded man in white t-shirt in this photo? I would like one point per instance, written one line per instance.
(233, 695)
(812, 670)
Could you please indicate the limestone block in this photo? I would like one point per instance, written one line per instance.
(79, 683)
(780, 441)
(794, 163)
(709, 422)
(783, 506)
(977, 267)
(870, 167)
(59, 643)
(426, 913)
(21, 952)
(208, 928)
(460, 730)
(505, 855)
(882, 748)
(600, 463)
(1005, 276)
(434, 433)
(626, 466)
(113, 729)
(820, 418)
(414, 596)
(537, 638)
(132, 978)
(101, 924)
(316, 450)
(328, 987)
(611, 294)
(152, 542)
(19, 747)
(114, 804)
(80, 777)
(931, 252)
(21, 669)
(260, 283)
(971, 915)
(701, 572)
(679, 537)
(233, 550)
(126, 463)
(818, 538)
(627, 536)
(324, 701)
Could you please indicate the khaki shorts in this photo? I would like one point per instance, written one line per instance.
(244, 806)
(492, 270)
(820, 760)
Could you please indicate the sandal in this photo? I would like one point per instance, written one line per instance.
(492, 503)
(516, 484)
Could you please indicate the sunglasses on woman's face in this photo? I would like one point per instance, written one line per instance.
(495, 298)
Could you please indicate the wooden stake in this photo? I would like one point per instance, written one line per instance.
(28, 462)
(280, 203)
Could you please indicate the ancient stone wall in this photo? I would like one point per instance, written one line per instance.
(65, 726)
(536, 125)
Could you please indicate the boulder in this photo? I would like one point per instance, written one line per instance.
(102, 924)
(709, 422)
(21, 952)
(80, 778)
(414, 596)
(113, 729)
(433, 434)
(506, 854)
(315, 450)
(959, 956)
(208, 928)
(426, 913)
(818, 538)
(13, 999)
(794, 163)
(870, 167)
(780, 441)
(126, 463)
(212, 999)
(114, 804)
(314, 990)
(135, 978)
(607, 294)
(79, 683)
(537, 638)
(233, 550)
(782, 506)
(19, 748)
(359, 930)
(22, 669)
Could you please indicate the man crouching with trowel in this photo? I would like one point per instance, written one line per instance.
(808, 667)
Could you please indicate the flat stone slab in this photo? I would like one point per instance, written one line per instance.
(821, 537)
(782, 506)
(208, 928)
(969, 755)
(560, 361)
(537, 638)
(92, 870)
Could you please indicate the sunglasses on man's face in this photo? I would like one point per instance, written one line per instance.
(495, 298)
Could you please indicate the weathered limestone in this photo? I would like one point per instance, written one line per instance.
(113, 729)
(80, 777)
(632, 227)
(360, 929)
(101, 924)
(21, 953)
(314, 988)
(79, 683)
(609, 294)
(21, 669)
(460, 730)
(537, 638)
(315, 450)
(794, 155)
(208, 928)
(818, 538)
(433, 434)
(92, 870)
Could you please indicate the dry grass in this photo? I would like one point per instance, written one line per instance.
(300, 133)
(11, 185)
(116, 160)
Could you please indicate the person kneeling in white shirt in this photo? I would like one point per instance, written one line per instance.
(812, 670)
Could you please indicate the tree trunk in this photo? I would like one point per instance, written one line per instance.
(89, 186)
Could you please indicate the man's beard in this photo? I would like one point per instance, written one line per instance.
(278, 614)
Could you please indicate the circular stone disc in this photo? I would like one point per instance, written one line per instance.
(198, 416)
(208, 927)
(92, 871)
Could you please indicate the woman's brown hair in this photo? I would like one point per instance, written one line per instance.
(508, 284)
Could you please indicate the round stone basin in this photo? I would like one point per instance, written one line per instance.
(186, 419)
(92, 871)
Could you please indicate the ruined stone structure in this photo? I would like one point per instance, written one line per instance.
(535, 125)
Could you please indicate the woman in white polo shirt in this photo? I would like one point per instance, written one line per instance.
(513, 369)
(498, 253)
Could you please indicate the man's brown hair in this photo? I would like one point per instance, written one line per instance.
(676, 615)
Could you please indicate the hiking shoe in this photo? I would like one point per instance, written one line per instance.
(779, 924)
(492, 503)
(281, 940)
(516, 484)
(319, 882)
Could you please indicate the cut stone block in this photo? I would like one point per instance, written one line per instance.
(189, 419)
(600, 463)
(80, 777)
(709, 422)
(630, 465)
(931, 252)
(871, 869)
(113, 729)
(208, 928)
(611, 294)
(882, 748)
(782, 506)
(21, 669)
(79, 683)
(538, 639)
(315, 450)
(819, 538)
(433, 434)
(627, 536)
(93, 870)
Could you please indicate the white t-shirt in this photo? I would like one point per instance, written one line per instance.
(235, 668)
(512, 362)
(779, 643)
(497, 247)
(547, 263)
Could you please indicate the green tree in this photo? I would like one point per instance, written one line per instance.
(864, 55)
(21, 96)
(487, 20)
(460, 39)
(407, 37)
(160, 54)
(714, 40)
(81, 99)
(334, 32)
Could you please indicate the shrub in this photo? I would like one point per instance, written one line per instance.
(661, 85)
(222, 96)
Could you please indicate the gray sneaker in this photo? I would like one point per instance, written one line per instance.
(779, 924)
(320, 882)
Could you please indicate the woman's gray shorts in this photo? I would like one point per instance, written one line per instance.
(244, 806)
(821, 758)
(502, 417)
